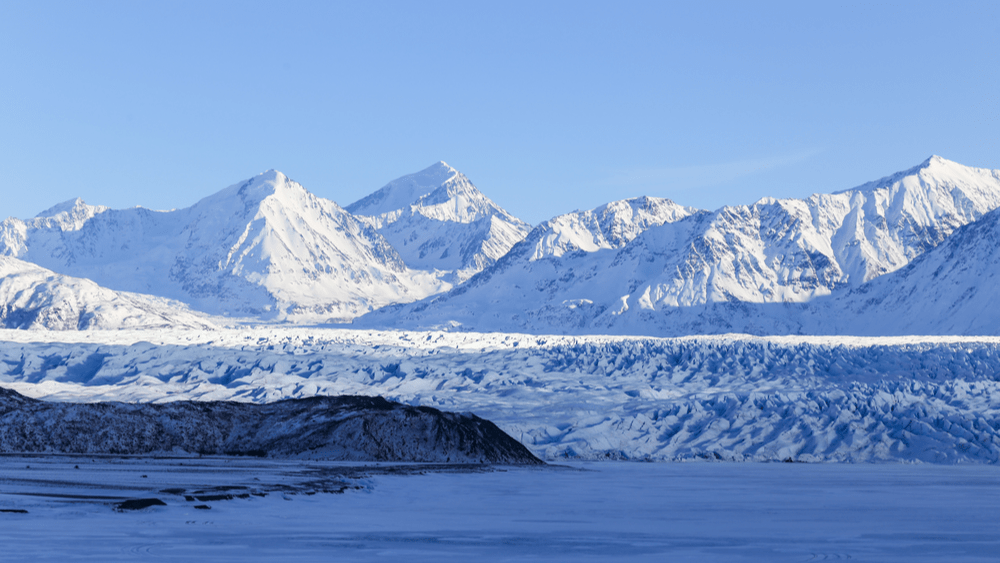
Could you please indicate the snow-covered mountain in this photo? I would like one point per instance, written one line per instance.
(609, 226)
(264, 248)
(438, 221)
(773, 252)
(32, 297)
(951, 289)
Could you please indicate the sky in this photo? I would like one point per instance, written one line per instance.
(547, 107)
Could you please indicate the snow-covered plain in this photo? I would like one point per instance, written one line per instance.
(929, 399)
(700, 512)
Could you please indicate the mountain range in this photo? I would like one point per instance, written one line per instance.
(267, 249)
(913, 251)
(773, 267)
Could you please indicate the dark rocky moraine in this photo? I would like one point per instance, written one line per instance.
(138, 504)
(347, 428)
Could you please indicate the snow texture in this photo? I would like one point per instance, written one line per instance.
(438, 221)
(588, 397)
(32, 297)
(265, 248)
(742, 268)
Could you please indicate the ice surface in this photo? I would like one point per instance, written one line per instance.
(701, 512)
(930, 399)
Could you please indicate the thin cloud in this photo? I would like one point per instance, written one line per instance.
(679, 178)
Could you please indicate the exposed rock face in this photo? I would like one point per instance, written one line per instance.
(346, 428)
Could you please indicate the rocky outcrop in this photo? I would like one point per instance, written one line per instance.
(348, 428)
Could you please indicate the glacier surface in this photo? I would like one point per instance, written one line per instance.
(732, 397)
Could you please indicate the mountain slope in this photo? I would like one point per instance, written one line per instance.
(951, 289)
(32, 297)
(264, 248)
(439, 221)
(710, 266)
(612, 225)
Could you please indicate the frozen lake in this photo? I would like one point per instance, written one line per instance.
(582, 512)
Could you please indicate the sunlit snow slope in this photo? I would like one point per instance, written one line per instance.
(264, 248)
(686, 270)
(438, 221)
(32, 297)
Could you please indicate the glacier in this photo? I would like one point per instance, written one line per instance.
(729, 397)
(853, 327)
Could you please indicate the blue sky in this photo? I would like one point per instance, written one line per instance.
(547, 106)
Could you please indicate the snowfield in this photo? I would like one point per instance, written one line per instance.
(704, 512)
(732, 397)
(32, 297)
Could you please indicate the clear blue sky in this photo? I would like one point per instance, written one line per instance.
(547, 106)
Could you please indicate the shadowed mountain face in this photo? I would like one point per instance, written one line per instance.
(334, 428)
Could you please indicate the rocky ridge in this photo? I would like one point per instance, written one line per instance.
(335, 428)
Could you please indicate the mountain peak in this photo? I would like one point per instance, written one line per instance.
(273, 179)
(405, 190)
(266, 184)
(934, 164)
(271, 175)
(65, 207)
(439, 169)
